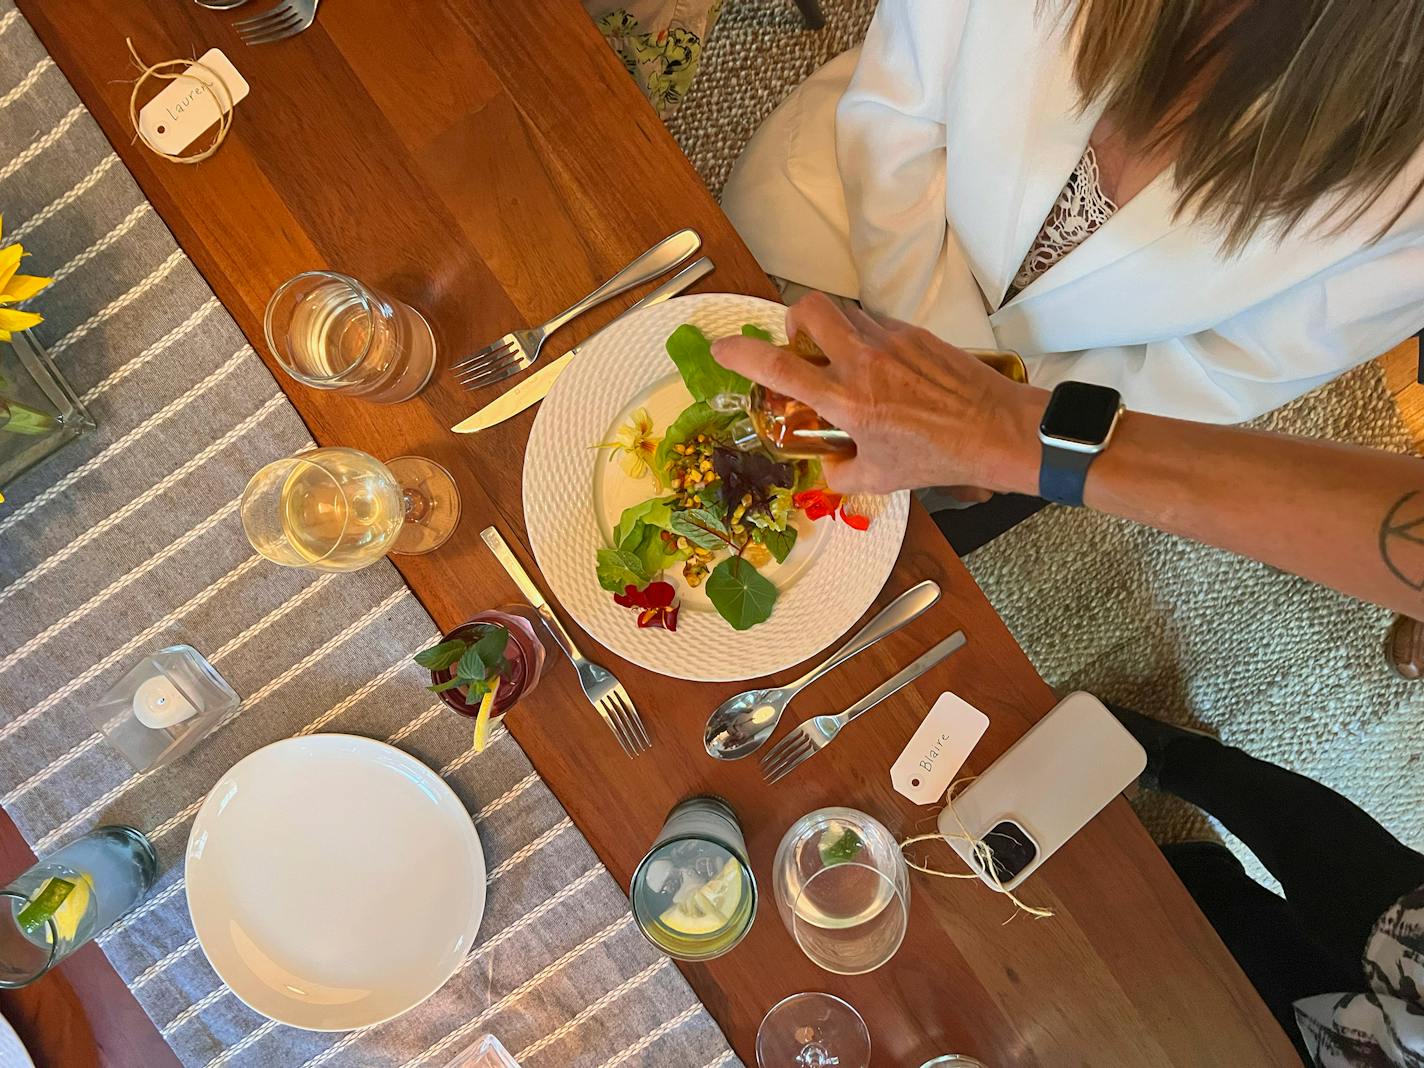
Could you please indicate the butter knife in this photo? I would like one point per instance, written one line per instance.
(536, 387)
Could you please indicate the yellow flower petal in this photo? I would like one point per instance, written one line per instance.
(22, 287)
(11, 319)
(9, 264)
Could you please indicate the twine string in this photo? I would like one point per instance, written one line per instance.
(983, 854)
(161, 70)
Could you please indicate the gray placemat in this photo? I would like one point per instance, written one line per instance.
(129, 541)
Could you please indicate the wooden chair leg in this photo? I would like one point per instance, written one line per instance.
(811, 12)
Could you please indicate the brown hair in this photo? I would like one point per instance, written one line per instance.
(1295, 100)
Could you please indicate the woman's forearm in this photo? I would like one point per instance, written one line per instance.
(1346, 517)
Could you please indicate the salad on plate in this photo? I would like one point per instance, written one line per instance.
(722, 518)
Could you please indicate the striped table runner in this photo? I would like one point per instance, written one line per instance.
(129, 541)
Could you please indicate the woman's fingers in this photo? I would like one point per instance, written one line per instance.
(774, 368)
(822, 319)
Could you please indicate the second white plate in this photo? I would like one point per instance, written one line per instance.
(334, 881)
(572, 499)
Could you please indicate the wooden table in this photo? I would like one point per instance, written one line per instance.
(489, 162)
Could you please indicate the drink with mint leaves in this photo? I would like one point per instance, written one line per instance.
(69, 897)
(517, 663)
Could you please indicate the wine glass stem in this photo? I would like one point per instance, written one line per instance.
(815, 1055)
(417, 505)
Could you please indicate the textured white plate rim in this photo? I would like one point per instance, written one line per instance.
(12, 1051)
(612, 370)
(441, 787)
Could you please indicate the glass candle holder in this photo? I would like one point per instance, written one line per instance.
(69, 897)
(163, 706)
(330, 331)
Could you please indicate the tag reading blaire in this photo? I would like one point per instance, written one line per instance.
(177, 117)
(927, 766)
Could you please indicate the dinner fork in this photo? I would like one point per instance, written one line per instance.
(603, 691)
(515, 352)
(287, 19)
(815, 734)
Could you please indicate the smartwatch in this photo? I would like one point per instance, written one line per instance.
(1077, 425)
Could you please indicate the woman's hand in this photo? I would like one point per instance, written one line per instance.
(922, 412)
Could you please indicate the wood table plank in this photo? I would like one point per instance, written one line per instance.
(489, 163)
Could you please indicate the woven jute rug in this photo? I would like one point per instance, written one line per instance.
(1286, 669)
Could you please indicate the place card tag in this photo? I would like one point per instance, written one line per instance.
(927, 766)
(177, 117)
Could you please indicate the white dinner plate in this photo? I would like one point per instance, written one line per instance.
(12, 1050)
(334, 881)
(573, 497)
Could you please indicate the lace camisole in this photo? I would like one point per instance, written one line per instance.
(1080, 210)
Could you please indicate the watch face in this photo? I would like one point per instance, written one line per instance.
(1081, 412)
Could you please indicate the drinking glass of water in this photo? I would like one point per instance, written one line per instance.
(69, 897)
(330, 331)
(338, 509)
(843, 889)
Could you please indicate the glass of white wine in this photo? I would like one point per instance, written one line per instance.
(338, 509)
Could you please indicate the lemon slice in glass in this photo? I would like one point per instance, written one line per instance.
(709, 909)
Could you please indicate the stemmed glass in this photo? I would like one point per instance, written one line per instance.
(813, 1031)
(843, 889)
(338, 509)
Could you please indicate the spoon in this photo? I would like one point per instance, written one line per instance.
(742, 724)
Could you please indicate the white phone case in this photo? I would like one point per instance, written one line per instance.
(1050, 783)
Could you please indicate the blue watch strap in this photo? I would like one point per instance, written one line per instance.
(1062, 474)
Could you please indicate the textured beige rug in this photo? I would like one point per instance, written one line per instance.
(1289, 671)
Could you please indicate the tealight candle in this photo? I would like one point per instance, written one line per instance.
(158, 704)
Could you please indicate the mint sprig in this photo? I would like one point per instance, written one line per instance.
(473, 664)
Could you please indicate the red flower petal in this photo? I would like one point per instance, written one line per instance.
(629, 598)
(670, 617)
(659, 594)
(817, 503)
(855, 520)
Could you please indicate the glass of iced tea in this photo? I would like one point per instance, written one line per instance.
(330, 331)
(523, 660)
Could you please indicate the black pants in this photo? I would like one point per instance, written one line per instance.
(1340, 871)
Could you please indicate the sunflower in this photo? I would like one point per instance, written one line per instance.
(15, 288)
(636, 442)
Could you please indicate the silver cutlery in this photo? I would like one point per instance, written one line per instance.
(743, 724)
(603, 691)
(815, 734)
(219, 5)
(515, 352)
(536, 387)
(287, 19)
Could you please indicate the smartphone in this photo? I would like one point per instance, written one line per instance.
(1043, 790)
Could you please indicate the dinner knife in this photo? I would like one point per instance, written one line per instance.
(536, 387)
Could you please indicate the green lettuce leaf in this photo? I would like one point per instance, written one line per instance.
(697, 418)
(656, 511)
(620, 568)
(703, 376)
(742, 595)
(755, 331)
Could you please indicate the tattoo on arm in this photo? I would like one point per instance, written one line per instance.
(1401, 539)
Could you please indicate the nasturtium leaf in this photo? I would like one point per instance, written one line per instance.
(742, 595)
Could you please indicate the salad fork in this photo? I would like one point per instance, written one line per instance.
(287, 19)
(603, 691)
(517, 351)
(815, 734)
